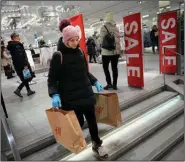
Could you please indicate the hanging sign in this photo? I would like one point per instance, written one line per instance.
(77, 21)
(134, 49)
(168, 42)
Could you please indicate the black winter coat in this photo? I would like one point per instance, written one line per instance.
(18, 54)
(154, 38)
(19, 58)
(71, 79)
(91, 46)
(59, 45)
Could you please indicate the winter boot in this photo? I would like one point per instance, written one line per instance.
(18, 93)
(100, 151)
(115, 87)
(107, 87)
(30, 92)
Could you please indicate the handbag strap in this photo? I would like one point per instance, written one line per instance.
(107, 29)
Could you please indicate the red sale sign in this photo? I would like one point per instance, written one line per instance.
(77, 21)
(134, 49)
(168, 42)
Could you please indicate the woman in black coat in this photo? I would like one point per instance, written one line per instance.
(20, 62)
(91, 48)
(70, 85)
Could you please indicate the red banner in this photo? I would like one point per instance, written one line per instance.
(168, 42)
(134, 49)
(77, 21)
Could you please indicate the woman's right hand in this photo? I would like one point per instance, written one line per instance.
(56, 101)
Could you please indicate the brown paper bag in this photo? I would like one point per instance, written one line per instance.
(66, 129)
(107, 109)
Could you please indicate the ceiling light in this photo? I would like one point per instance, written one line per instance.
(59, 9)
(145, 16)
(140, 2)
(98, 23)
(29, 22)
(158, 12)
(168, 7)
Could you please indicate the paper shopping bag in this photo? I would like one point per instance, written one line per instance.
(107, 109)
(66, 129)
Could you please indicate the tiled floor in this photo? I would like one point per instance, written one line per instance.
(27, 116)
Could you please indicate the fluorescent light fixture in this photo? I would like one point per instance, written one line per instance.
(145, 16)
(158, 12)
(96, 23)
(168, 7)
(29, 22)
(10, 22)
(59, 9)
(36, 21)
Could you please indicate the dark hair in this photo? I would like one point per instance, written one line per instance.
(13, 35)
(2, 43)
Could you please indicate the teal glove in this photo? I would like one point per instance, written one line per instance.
(26, 74)
(98, 86)
(56, 101)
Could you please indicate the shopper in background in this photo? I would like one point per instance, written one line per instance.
(91, 48)
(70, 85)
(64, 23)
(6, 62)
(20, 62)
(154, 38)
(111, 50)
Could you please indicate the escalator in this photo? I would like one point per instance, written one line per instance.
(176, 153)
(143, 123)
(146, 137)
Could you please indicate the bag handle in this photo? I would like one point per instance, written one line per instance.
(107, 29)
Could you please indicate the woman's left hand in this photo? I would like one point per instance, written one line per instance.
(98, 86)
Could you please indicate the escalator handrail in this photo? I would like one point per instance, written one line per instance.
(11, 139)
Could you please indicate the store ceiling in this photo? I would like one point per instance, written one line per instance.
(93, 11)
(43, 16)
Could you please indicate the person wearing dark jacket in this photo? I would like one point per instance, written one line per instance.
(20, 62)
(91, 49)
(70, 85)
(154, 38)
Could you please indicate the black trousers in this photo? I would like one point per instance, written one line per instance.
(89, 114)
(114, 64)
(24, 82)
(92, 56)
